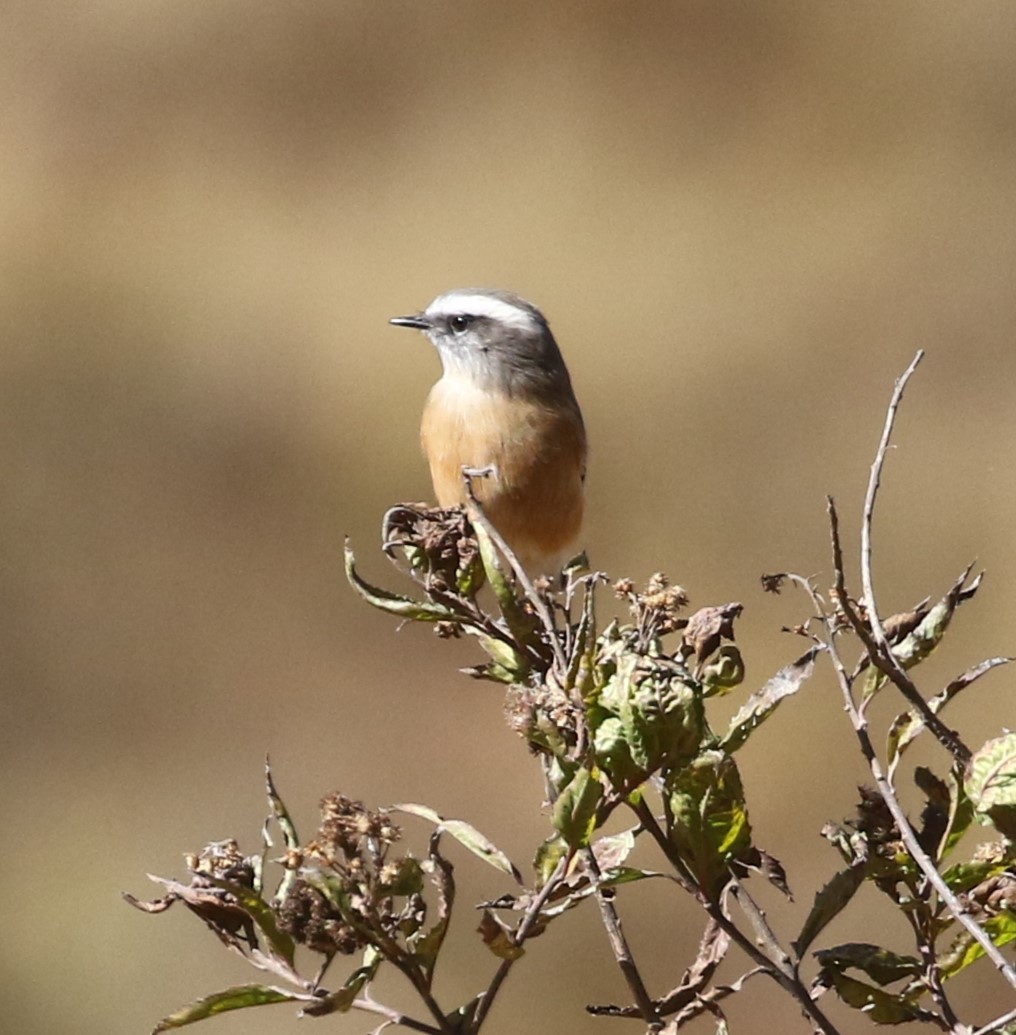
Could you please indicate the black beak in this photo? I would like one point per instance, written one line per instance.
(420, 322)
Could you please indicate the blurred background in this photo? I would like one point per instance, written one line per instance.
(742, 219)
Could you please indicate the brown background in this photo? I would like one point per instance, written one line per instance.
(743, 219)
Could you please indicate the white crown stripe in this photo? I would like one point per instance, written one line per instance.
(469, 303)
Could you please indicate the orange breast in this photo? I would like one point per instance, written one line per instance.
(534, 497)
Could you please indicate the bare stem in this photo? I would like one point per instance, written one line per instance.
(369, 1005)
(521, 934)
(619, 946)
(883, 657)
(780, 969)
(997, 1024)
(869, 500)
(885, 788)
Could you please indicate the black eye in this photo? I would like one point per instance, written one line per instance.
(459, 323)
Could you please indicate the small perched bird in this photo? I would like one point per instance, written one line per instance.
(504, 408)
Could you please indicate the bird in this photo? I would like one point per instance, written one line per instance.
(504, 409)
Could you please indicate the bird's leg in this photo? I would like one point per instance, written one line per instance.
(490, 471)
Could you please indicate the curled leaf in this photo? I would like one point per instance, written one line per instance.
(497, 939)
(709, 817)
(394, 603)
(764, 702)
(990, 782)
(575, 808)
(908, 725)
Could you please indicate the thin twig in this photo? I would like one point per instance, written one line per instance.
(860, 724)
(532, 914)
(780, 970)
(997, 1024)
(369, 1005)
(765, 933)
(619, 946)
(869, 499)
(884, 658)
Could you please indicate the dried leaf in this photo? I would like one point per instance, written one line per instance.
(497, 939)
(707, 628)
(764, 702)
(829, 902)
(758, 861)
(908, 725)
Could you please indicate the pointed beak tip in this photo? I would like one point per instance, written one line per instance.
(417, 322)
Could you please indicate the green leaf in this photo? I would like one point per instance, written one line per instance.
(928, 634)
(829, 902)
(342, 999)
(709, 818)
(915, 647)
(426, 943)
(581, 664)
(521, 625)
(612, 750)
(393, 603)
(990, 781)
(1001, 929)
(723, 671)
(877, 1005)
(261, 913)
(907, 726)
(574, 815)
(548, 855)
(467, 836)
(961, 811)
(964, 876)
(764, 702)
(507, 664)
(881, 965)
(237, 998)
(647, 716)
(402, 877)
(289, 836)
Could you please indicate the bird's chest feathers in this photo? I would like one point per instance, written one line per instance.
(465, 425)
(471, 425)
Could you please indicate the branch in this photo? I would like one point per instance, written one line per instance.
(780, 969)
(882, 656)
(860, 724)
(532, 914)
(369, 1005)
(997, 1024)
(619, 946)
